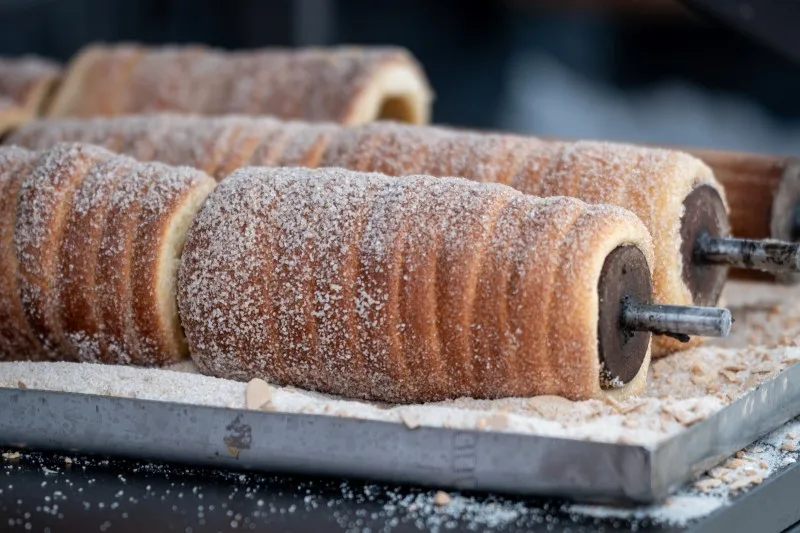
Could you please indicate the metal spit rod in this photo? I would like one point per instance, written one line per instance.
(765, 255)
(676, 320)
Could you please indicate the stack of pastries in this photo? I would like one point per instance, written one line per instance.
(339, 255)
(651, 183)
(365, 285)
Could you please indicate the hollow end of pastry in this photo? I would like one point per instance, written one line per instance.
(398, 108)
(171, 251)
(398, 92)
(623, 354)
(704, 214)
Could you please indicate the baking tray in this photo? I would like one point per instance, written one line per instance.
(323, 445)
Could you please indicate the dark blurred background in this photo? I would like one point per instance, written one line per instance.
(637, 70)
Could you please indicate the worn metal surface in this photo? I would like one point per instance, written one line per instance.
(767, 256)
(443, 458)
(677, 320)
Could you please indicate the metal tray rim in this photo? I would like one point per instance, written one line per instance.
(342, 446)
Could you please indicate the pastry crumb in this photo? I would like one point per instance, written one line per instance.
(258, 394)
(704, 485)
(411, 421)
(441, 498)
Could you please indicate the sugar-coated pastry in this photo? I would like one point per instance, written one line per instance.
(348, 85)
(400, 290)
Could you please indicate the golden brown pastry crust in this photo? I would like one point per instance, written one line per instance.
(45, 201)
(11, 115)
(306, 147)
(16, 338)
(25, 85)
(90, 245)
(79, 258)
(242, 147)
(402, 290)
(166, 211)
(341, 84)
(93, 81)
(650, 182)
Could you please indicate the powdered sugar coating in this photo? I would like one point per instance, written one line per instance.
(652, 183)
(217, 145)
(373, 287)
(127, 270)
(271, 144)
(241, 148)
(307, 145)
(90, 86)
(156, 249)
(312, 84)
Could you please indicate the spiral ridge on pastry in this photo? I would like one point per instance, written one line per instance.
(401, 290)
(345, 84)
(90, 244)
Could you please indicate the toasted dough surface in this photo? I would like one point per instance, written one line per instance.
(79, 257)
(16, 338)
(45, 201)
(25, 85)
(340, 84)
(652, 183)
(375, 287)
(90, 244)
(167, 210)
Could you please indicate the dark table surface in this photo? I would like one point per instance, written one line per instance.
(49, 492)
(42, 492)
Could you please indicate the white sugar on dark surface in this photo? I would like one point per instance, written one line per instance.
(123, 490)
